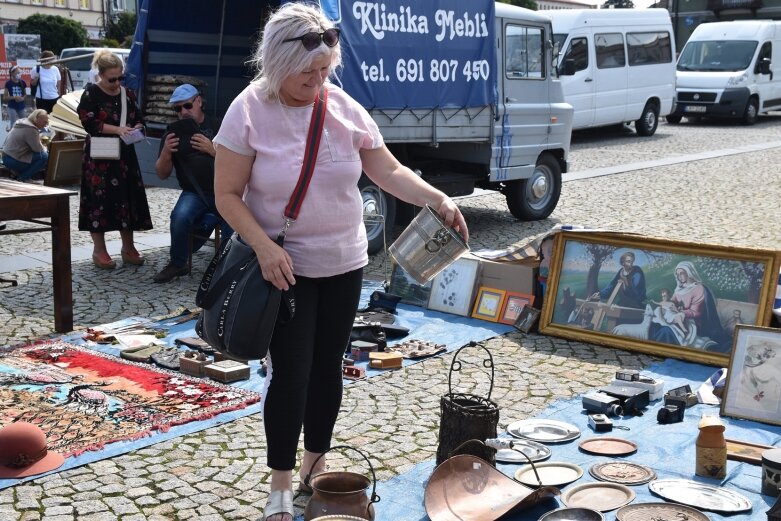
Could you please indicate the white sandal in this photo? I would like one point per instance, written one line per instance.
(279, 502)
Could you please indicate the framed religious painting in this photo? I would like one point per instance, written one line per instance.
(753, 386)
(514, 303)
(666, 298)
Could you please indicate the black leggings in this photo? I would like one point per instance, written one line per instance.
(304, 382)
(46, 104)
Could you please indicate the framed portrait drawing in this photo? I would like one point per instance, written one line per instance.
(667, 298)
(488, 304)
(514, 302)
(453, 288)
(403, 285)
(753, 386)
(526, 319)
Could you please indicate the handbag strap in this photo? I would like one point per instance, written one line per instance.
(310, 158)
(123, 117)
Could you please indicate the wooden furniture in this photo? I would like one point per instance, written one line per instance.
(30, 203)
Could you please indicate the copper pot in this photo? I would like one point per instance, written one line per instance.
(341, 493)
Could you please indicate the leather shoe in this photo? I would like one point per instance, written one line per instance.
(171, 271)
(110, 265)
(134, 259)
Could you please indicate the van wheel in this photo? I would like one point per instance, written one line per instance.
(751, 112)
(646, 125)
(377, 203)
(535, 198)
(674, 120)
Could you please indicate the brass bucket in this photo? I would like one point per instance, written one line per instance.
(427, 246)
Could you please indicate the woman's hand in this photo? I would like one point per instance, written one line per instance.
(452, 217)
(276, 266)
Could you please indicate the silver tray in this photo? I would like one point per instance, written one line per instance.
(535, 451)
(700, 495)
(572, 514)
(543, 431)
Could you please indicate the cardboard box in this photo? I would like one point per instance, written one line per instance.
(520, 276)
(227, 371)
(385, 360)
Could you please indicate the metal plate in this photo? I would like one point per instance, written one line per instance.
(543, 431)
(608, 446)
(656, 511)
(622, 472)
(552, 473)
(600, 496)
(700, 495)
(572, 514)
(535, 451)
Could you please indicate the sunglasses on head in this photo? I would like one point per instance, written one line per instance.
(114, 80)
(311, 41)
(178, 108)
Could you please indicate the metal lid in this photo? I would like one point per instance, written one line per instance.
(772, 457)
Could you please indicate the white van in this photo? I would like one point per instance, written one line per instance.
(616, 65)
(727, 70)
(80, 67)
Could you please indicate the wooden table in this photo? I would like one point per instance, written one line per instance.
(30, 202)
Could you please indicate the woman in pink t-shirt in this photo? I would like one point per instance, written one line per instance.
(260, 149)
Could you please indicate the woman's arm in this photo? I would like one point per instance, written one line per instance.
(231, 174)
(393, 177)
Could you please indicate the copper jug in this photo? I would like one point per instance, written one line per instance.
(341, 493)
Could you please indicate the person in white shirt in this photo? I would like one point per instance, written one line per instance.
(45, 82)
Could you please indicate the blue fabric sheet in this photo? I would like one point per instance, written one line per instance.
(451, 330)
(668, 449)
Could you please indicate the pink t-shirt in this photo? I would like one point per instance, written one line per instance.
(329, 237)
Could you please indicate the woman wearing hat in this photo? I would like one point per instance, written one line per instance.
(14, 95)
(260, 150)
(45, 80)
(113, 197)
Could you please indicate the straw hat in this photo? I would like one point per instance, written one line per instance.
(23, 451)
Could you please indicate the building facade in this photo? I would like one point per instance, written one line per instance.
(93, 14)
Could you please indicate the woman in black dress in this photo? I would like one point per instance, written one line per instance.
(112, 191)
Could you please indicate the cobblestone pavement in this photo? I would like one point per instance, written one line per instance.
(730, 200)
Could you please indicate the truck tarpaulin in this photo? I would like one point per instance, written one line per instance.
(410, 54)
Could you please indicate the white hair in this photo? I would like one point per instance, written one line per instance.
(275, 59)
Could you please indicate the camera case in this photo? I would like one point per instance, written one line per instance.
(671, 411)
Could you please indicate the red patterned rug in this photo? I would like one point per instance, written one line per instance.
(84, 399)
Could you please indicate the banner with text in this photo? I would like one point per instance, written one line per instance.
(410, 54)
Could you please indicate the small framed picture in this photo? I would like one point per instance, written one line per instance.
(453, 288)
(753, 386)
(526, 319)
(488, 304)
(403, 285)
(514, 302)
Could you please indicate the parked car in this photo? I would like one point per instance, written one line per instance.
(80, 67)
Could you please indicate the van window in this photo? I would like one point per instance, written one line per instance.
(765, 52)
(649, 48)
(578, 53)
(610, 50)
(717, 55)
(525, 52)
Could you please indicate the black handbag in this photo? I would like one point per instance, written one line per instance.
(240, 307)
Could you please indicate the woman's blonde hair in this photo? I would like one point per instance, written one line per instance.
(104, 60)
(34, 115)
(276, 59)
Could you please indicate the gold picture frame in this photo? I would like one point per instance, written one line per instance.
(674, 299)
(64, 167)
(488, 304)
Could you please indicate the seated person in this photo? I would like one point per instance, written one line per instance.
(23, 152)
(191, 152)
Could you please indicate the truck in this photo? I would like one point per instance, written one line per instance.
(436, 76)
(726, 70)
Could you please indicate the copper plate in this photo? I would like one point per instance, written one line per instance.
(552, 473)
(656, 511)
(622, 472)
(600, 496)
(608, 446)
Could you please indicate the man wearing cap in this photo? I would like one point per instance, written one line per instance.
(187, 146)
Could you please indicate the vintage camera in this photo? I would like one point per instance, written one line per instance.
(628, 375)
(632, 399)
(602, 403)
(600, 423)
(671, 411)
(683, 393)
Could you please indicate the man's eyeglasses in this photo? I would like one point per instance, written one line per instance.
(178, 108)
(114, 80)
(311, 41)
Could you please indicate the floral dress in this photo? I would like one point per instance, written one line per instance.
(112, 191)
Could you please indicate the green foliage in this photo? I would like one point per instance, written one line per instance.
(618, 4)
(528, 4)
(57, 32)
(109, 42)
(122, 27)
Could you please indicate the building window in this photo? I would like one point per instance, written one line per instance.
(60, 3)
(118, 6)
(37, 2)
(84, 4)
